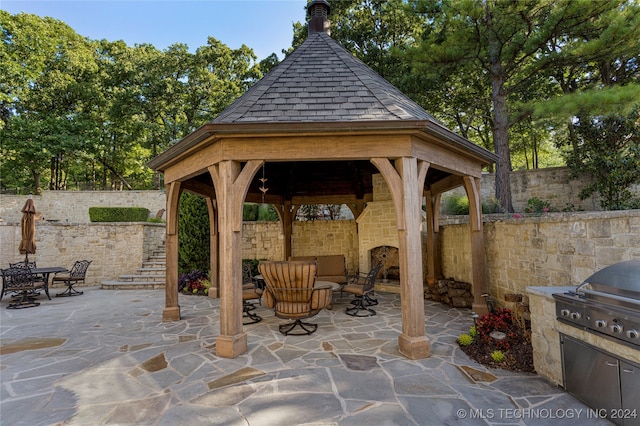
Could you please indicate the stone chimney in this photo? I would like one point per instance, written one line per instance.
(318, 11)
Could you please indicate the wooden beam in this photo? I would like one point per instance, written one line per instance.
(171, 311)
(394, 182)
(479, 285)
(214, 290)
(226, 176)
(412, 343)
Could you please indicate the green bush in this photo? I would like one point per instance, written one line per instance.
(118, 214)
(459, 205)
(265, 212)
(497, 356)
(250, 212)
(536, 205)
(465, 340)
(194, 240)
(268, 213)
(455, 205)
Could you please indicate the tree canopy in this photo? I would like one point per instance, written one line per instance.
(540, 82)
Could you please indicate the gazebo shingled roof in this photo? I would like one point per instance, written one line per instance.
(319, 125)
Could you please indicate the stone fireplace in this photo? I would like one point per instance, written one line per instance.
(377, 225)
(390, 262)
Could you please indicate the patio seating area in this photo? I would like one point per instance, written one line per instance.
(107, 358)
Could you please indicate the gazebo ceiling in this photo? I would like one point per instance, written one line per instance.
(327, 182)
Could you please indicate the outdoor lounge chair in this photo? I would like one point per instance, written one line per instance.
(290, 292)
(250, 294)
(76, 276)
(361, 286)
(20, 282)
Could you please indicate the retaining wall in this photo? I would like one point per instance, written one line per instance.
(113, 248)
(554, 249)
(73, 206)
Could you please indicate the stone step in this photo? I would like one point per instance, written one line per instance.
(154, 265)
(142, 278)
(133, 285)
(152, 271)
(152, 275)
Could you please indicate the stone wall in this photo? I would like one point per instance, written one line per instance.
(73, 206)
(550, 184)
(324, 237)
(113, 248)
(377, 223)
(555, 249)
(264, 240)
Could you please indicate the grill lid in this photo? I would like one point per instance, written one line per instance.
(621, 278)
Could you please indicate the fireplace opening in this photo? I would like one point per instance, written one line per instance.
(390, 262)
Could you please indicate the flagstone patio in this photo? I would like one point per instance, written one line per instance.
(106, 357)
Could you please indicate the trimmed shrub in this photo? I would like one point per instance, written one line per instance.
(118, 214)
(194, 241)
(250, 212)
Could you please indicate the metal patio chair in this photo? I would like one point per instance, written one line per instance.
(75, 276)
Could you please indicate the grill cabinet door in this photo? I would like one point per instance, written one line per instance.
(630, 385)
(590, 375)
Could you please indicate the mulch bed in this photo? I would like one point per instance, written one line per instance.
(519, 356)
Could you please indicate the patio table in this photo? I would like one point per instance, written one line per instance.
(45, 272)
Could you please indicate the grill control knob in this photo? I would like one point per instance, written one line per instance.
(576, 315)
(632, 334)
(601, 323)
(565, 312)
(616, 328)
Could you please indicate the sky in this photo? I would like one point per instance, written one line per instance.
(263, 25)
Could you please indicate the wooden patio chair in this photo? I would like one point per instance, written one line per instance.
(38, 278)
(362, 286)
(76, 276)
(251, 293)
(20, 282)
(290, 292)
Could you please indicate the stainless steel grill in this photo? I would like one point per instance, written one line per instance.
(607, 303)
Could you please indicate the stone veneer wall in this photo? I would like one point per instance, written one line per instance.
(556, 249)
(73, 206)
(323, 237)
(377, 223)
(113, 248)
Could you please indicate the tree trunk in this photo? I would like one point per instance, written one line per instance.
(501, 139)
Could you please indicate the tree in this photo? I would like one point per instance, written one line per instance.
(509, 41)
(608, 152)
(44, 96)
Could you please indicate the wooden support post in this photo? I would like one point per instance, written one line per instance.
(478, 266)
(406, 191)
(434, 261)
(287, 229)
(171, 310)
(231, 184)
(214, 258)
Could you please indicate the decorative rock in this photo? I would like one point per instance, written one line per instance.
(497, 335)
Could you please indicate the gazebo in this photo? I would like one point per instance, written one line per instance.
(318, 127)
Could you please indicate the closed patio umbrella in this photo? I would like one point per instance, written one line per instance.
(28, 241)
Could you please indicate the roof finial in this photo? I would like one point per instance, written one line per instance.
(318, 11)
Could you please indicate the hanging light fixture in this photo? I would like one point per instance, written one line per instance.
(263, 179)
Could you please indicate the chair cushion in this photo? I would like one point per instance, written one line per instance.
(332, 268)
(356, 289)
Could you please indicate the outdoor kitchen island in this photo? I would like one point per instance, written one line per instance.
(547, 334)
